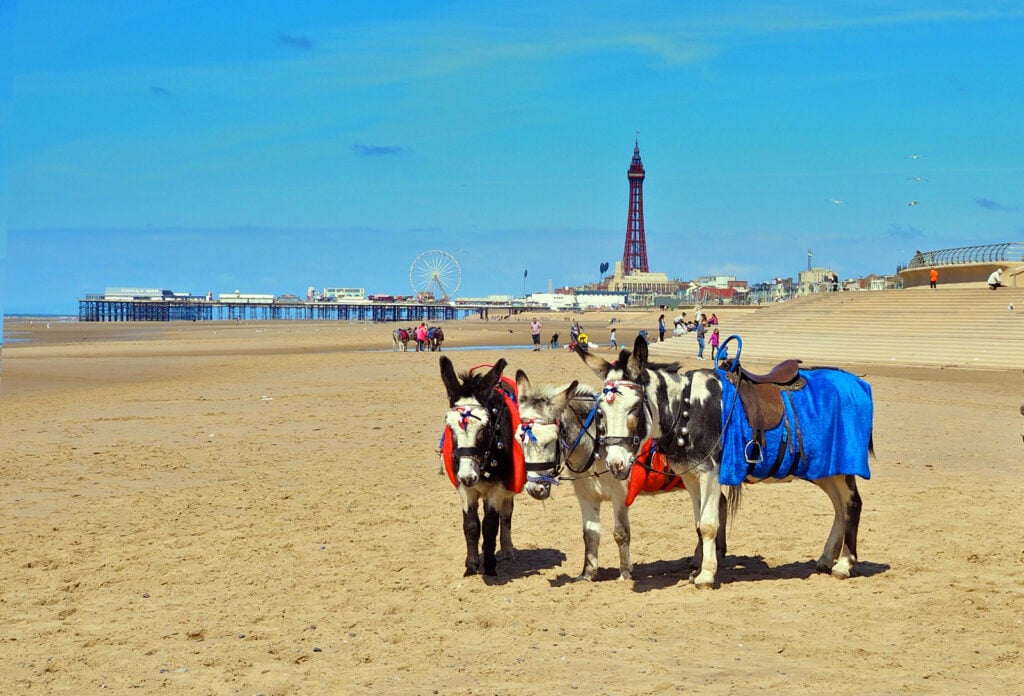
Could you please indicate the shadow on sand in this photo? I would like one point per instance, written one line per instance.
(659, 575)
(528, 562)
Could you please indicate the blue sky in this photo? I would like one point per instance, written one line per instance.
(267, 146)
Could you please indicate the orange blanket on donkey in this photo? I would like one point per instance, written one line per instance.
(650, 474)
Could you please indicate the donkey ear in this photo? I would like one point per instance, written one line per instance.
(450, 379)
(600, 366)
(522, 382)
(561, 399)
(638, 360)
(491, 379)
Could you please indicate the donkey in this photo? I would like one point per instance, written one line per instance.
(699, 424)
(400, 339)
(482, 460)
(559, 428)
(435, 337)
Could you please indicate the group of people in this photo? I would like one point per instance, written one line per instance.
(577, 336)
(700, 327)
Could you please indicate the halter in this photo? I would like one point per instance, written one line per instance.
(563, 448)
(613, 388)
(482, 455)
(525, 433)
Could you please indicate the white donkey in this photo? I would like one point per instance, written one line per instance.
(559, 430)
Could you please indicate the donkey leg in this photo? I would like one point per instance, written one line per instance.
(853, 518)
(622, 532)
(698, 553)
(508, 552)
(590, 509)
(490, 538)
(723, 517)
(711, 495)
(471, 529)
(837, 558)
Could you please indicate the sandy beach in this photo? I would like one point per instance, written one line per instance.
(256, 508)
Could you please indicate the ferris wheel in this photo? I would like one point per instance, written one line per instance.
(435, 273)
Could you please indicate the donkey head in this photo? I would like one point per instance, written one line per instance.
(623, 406)
(474, 418)
(539, 433)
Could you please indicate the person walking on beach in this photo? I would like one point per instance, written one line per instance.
(661, 328)
(421, 337)
(933, 278)
(700, 340)
(612, 343)
(535, 332)
(714, 344)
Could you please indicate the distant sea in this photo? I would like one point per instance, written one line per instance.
(22, 336)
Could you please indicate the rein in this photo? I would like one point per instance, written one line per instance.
(563, 448)
(584, 430)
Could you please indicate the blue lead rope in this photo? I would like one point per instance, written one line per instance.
(587, 422)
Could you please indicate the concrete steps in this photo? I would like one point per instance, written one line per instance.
(956, 326)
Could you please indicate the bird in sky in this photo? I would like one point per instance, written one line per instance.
(916, 178)
(915, 156)
(912, 203)
(836, 201)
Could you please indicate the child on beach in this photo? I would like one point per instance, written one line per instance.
(714, 344)
(612, 343)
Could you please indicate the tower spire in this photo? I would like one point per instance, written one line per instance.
(634, 255)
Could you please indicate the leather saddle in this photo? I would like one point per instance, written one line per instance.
(761, 396)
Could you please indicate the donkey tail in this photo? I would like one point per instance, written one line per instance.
(733, 498)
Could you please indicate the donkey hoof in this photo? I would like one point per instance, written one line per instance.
(842, 569)
(704, 581)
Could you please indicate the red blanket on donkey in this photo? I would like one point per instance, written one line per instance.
(515, 481)
(650, 474)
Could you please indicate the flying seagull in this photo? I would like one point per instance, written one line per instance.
(916, 178)
(912, 203)
(915, 156)
(836, 201)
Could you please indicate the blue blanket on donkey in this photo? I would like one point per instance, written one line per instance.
(833, 412)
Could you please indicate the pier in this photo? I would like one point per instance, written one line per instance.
(99, 308)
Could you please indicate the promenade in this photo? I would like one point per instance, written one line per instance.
(952, 326)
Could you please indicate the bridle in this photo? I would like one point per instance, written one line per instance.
(671, 439)
(485, 456)
(552, 469)
(613, 388)
(533, 468)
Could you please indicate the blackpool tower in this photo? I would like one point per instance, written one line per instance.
(634, 256)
